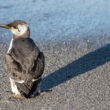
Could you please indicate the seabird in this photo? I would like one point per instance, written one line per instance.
(25, 62)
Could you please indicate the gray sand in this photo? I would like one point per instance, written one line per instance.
(77, 71)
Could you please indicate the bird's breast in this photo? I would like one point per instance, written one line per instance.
(10, 46)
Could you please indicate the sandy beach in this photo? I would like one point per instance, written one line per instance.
(77, 71)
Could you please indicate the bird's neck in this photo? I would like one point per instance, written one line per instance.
(25, 35)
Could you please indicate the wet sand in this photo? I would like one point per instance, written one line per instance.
(77, 71)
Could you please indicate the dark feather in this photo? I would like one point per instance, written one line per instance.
(25, 62)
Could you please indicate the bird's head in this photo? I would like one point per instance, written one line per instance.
(19, 28)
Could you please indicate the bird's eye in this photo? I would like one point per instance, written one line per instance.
(15, 27)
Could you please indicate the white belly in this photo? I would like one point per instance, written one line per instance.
(14, 87)
(10, 46)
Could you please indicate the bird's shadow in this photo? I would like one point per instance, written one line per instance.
(88, 62)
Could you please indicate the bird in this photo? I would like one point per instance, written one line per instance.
(24, 60)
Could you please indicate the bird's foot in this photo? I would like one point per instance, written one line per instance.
(40, 93)
(45, 91)
(17, 96)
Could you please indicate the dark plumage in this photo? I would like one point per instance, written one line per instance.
(25, 62)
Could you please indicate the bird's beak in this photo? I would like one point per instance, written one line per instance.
(5, 26)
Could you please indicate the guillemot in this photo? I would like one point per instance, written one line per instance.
(25, 62)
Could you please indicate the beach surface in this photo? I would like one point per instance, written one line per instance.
(77, 72)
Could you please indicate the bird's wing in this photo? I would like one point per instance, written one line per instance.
(38, 68)
(22, 58)
(28, 88)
